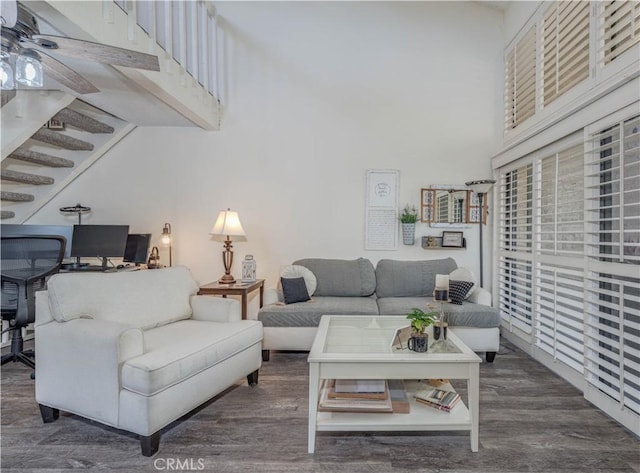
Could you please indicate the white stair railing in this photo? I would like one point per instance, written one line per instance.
(186, 31)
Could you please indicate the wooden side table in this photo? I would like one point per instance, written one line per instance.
(238, 289)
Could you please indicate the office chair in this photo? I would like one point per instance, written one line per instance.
(26, 262)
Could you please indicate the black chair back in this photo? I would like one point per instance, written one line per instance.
(26, 261)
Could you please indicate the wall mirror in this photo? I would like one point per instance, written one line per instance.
(447, 205)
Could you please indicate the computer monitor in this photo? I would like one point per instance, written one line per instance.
(137, 248)
(102, 241)
(10, 229)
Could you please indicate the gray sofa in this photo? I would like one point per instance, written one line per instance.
(393, 287)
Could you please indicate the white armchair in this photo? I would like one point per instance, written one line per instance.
(138, 350)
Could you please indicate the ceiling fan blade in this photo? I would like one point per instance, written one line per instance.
(103, 53)
(65, 75)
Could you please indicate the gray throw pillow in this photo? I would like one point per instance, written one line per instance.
(294, 290)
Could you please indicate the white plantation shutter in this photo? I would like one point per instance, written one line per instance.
(613, 341)
(516, 204)
(565, 47)
(619, 28)
(613, 177)
(560, 180)
(515, 266)
(559, 313)
(515, 292)
(520, 80)
(559, 234)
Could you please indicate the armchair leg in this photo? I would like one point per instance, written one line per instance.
(49, 414)
(252, 378)
(490, 356)
(150, 444)
(265, 355)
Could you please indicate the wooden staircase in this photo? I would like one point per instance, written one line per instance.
(53, 156)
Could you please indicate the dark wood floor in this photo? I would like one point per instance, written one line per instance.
(530, 421)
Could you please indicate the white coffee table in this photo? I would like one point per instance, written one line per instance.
(359, 347)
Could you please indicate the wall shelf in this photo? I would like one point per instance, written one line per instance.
(439, 246)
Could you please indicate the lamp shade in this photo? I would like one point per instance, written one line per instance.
(165, 238)
(227, 224)
(482, 186)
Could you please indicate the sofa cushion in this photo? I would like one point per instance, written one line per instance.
(410, 278)
(308, 314)
(294, 290)
(468, 314)
(342, 278)
(297, 271)
(464, 274)
(174, 353)
(142, 299)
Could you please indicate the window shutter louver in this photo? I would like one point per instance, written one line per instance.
(613, 176)
(520, 81)
(612, 348)
(515, 267)
(565, 48)
(561, 203)
(619, 26)
(559, 313)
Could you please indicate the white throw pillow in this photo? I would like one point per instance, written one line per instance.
(297, 271)
(464, 274)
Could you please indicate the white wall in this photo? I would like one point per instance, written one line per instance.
(314, 94)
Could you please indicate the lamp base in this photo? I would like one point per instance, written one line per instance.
(227, 279)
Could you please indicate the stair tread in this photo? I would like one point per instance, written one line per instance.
(82, 121)
(16, 196)
(26, 178)
(63, 141)
(41, 158)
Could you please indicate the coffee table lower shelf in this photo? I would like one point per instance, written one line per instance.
(420, 418)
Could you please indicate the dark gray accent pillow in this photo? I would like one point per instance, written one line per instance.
(294, 290)
(342, 278)
(458, 291)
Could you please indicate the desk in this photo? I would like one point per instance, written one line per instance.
(237, 289)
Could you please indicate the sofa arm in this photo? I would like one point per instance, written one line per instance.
(215, 309)
(78, 365)
(481, 296)
(271, 296)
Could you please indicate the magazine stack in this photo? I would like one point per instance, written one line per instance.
(443, 397)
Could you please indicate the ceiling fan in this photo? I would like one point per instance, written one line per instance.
(21, 39)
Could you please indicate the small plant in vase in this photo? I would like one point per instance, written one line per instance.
(408, 218)
(420, 320)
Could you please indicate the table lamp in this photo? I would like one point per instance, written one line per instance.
(227, 225)
(167, 241)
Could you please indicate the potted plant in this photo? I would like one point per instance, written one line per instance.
(420, 320)
(408, 218)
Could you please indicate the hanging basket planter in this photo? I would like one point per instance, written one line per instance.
(408, 233)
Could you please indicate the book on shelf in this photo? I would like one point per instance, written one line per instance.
(443, 397)
(338, 390)
(360, 386)
(399, 399)
(352, 404)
